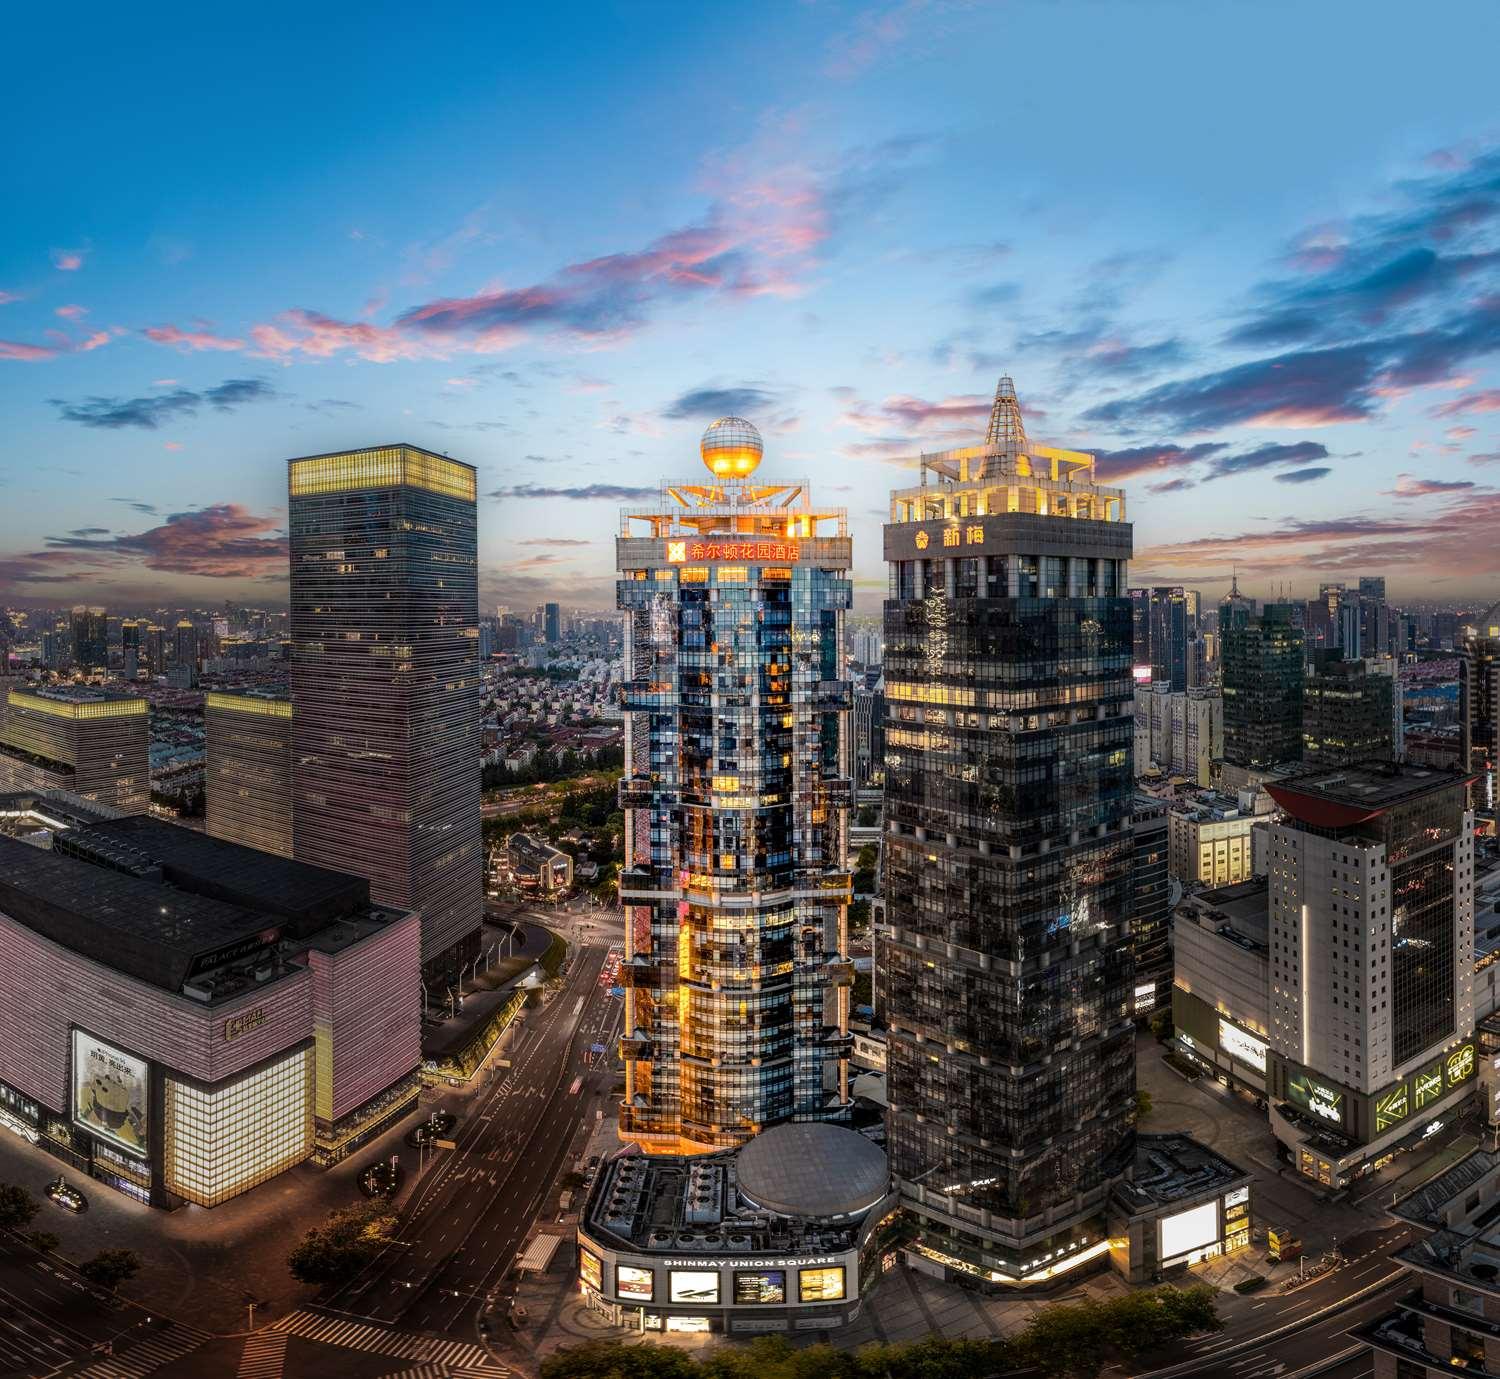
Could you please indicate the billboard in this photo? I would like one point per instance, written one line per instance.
(1237, 1044)
(694, 1285)
(1189, 1230)
(760, 1285)
(111, 1094)
(590, 1270)
(631, 1282)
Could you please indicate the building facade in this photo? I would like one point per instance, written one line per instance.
(88, 742)
(1347, 714)
(1150, 907)
(90, 638)
(1007, 976)
(736, 794)
(1209, 841)
(248, 769)
(1183, 733)
(183, 1019)
(1372, 968)
(1262, 690)
(1479, 719)
(385, 684)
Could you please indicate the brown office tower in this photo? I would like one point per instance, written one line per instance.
(385, 684)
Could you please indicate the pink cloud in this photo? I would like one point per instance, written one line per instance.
(191, 340)
(1410, 486)
(72, 312)
(93, 341)
(1485, 400)
(311, 333)
(68, 260)
(6, 298)
(16, 349)
(171, 445)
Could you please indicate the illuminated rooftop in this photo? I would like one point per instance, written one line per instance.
(1007, 473)
(732, 504)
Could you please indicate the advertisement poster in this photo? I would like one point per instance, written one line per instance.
(631, 1282)
(111, 1094)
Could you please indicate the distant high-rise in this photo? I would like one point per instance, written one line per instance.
(1346, 713)
(248, 769)
(1479, 703)
(156, 649)
(1006, 977)
(130, 647)
(1150, 906)
(185, 644)
(869, 737)
(736, 795)
(1262, 689)
(385, 684)
(90, 638)
(90, 743)
(552, 623)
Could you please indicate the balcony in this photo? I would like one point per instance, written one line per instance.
(637, 1045)
(640, 972)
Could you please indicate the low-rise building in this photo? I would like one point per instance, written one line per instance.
(1449, 1320)
(537, 865)
(1221, 963)
(184, 1018)
(782, 1235)
(1209, 840)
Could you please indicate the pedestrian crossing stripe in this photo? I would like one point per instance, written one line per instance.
(459, 1358)
(147, 1356)
(264, 1356)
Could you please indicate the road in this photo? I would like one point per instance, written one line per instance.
(1238, 1353)
(469, 1215)
(524, 797)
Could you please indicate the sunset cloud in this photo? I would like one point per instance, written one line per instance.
(191, 340)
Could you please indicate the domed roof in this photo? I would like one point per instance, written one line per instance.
(731, 448)
(812, 1168)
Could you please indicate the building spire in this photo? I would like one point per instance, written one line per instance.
(1007, 430)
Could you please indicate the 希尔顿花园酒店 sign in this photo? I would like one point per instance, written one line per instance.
(683, 552)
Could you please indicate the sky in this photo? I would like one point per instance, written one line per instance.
(1246, 253)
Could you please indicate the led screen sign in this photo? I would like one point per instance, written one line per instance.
(631, 1282)
(694, 1285)
(1190, 1230)
(1237, 1044)
(111, 1094)
(590, 1270)
(753, 1286)
(682, 552)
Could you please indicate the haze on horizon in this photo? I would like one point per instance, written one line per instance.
(1265, 291)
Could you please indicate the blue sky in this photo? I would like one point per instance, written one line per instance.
(1248, 254)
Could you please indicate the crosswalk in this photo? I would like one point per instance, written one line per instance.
(451, 1359)
(137, 1360)
(264, 1356)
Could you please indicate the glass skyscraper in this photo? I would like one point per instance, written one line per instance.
(1004, 963)
(736, 795)
(385, 684)
(1263, 675)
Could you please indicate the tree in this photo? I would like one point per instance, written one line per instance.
(1161, 1025)
(17, 1207)
(865, 818)
(338, 1249)
(1142, 1103)
(44, 1241)
(110, 1268)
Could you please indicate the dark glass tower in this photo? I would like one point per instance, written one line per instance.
(1347, 713)
(90, 638)
(385, 684)
(1263, 674)
(736, 796)
(1005, 965)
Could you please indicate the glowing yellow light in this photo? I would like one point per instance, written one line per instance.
(731, 448)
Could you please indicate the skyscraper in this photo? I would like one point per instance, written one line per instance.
(1479, 702)
(1372, 961)
(130, 646)
(185, 643)
(552, 623)
(736, 794)
(1346, 713)
(1006, 975)
(385, 684)
(90, 638)
(248, 769)
(1263, 674)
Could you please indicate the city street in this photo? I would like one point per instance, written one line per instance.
(469, 1214)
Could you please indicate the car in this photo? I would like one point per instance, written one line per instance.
(66, 1195)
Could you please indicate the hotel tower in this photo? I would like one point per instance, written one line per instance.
(736, 796)
(1004, 960)
(385, 685)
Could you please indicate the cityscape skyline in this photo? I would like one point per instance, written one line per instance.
(1301, 386)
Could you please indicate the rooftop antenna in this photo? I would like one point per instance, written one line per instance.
(1007, 430)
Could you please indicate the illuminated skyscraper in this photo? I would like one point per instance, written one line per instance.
(248, 769)
(1005, 963)
(736, 792)
(385, 684)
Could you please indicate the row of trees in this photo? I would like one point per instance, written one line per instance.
(348, 1240)
(106, 1269)
(1076, 1339)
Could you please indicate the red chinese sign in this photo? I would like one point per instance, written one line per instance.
(679, 552)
